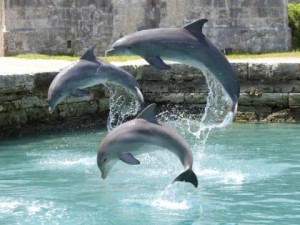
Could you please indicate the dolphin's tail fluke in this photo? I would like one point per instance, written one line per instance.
(188, 176)
(234, 107)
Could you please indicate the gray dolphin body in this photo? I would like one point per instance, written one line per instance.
(187, 45)
(87, 72)
(130, 137)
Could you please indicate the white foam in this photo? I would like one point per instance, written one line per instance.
(166, 204)
(68, 161)
(21, 207)
(172, 198)
(8, 206)
(233, 177)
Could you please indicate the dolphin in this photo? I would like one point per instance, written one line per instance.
(86, 72)
(187, 45)
(130, 137)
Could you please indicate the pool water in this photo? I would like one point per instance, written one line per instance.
(248, 174)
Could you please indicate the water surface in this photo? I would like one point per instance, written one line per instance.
(248, 174)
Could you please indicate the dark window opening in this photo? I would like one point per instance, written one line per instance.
(69, 44)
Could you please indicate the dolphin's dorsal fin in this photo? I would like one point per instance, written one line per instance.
(196, 26)
(89, 54)
(148, 113)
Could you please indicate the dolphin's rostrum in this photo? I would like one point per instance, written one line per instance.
(187, 45)
(87, 72)
(128, 140)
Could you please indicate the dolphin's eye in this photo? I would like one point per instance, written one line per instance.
(105, 159)
(129, 47)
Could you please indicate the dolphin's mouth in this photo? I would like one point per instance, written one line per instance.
(103, 175)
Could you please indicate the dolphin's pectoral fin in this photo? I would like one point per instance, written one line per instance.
(129, 159)
(157, 62)
(80, 93)
(188, 176)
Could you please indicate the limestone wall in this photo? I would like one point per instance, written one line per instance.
(270, 92)
(70, 26)
(57, 26)
(1, 28)
(240, 25)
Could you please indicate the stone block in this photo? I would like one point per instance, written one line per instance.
(205, 3)
(281, 116)
(265, 99)
(28, 102)
(245, 114)
(164, 97)
(236, 12)
(286, 71)
(262, 12)
(42, 82)
(16, 83)
(17, 118)
(287, 86)
(103, 104)
(39, 114)
(172, 97)
(256, 87)
(84, 108)
(294, 99)
(155, 86)
(241, 70)
(147, 72)
(275, 3)
(259, 71)
(195, 98)
(219, 3)
(243, 3)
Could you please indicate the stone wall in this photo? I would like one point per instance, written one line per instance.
(269, 93)
(70, 26)
(1, 28)
(240, 25)
(57, 26)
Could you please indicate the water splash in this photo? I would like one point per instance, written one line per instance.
(217, 114)
(123, 105)
(169, 198)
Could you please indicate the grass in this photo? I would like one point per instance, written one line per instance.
(128, 58)
(74, 58)
(264, 55)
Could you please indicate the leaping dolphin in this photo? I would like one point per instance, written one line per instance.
(130, 137)
(187, 45)
(87, 72)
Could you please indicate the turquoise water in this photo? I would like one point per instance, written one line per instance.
(248, 174)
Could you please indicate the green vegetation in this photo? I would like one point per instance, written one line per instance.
(294, 23)
(74, 58)
(291, 54)
(128, 58)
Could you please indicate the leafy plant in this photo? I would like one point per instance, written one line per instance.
(294, 23)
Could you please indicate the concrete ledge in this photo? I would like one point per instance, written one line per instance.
(270, 92)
